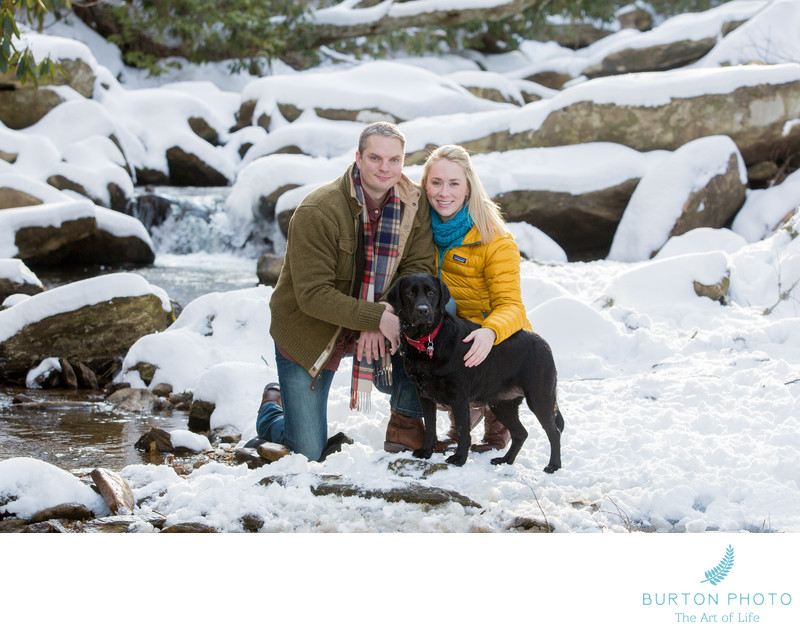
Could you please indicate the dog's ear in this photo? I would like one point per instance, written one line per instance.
(393, 297)
(444, 295)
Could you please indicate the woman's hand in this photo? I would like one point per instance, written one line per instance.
(482, 342)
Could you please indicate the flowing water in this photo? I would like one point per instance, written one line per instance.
(198, 252)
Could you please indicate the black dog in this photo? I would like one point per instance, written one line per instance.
(519, 367)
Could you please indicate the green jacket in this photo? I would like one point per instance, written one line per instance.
(312, 302)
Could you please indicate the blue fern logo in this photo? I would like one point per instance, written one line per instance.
(717, 574)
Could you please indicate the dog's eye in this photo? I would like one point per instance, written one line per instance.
(431, 293)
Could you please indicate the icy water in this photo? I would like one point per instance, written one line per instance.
(78, 431)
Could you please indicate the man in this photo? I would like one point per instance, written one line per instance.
(347, 243)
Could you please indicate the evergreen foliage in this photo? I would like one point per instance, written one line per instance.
(251, 33)
(16, 59)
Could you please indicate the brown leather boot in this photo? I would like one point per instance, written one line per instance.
(272, 392)
(495, 434)
(450, 442)
(403, 433)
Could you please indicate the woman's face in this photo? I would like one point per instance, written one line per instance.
(447, 188)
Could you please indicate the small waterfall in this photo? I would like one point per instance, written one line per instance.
(190, 220)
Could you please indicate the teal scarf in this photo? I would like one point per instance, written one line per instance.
(449, 234)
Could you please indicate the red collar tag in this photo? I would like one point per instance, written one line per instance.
(426, 344)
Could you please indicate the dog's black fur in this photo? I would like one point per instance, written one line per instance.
(519, 367)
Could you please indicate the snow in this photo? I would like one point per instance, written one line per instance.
(189, 440)
(765, 208)
(761, 39)
(16, 271)
(362, 87)
(647, 373)
(28, 485)
(681, 413)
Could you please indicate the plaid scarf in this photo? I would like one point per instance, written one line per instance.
(381, 250)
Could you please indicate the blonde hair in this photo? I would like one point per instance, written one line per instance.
(485, 213)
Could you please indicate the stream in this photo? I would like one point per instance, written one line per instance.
(197, 252)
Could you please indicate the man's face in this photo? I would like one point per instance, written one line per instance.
(381, 165)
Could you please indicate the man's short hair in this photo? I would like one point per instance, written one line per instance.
(381, 128)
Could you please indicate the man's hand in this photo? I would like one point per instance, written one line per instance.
(390, 327)
(371, 344)
(482, 342)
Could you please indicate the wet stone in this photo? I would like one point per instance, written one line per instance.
(226, 434)
(13, 525)
(115, 491)
(156, 439)
(272, 451)
(71, 511)
(413, 468)
(190, 527)
(51, 525)
(68, 377)
(250, 457)
(121, 523)
(251, 522)
(527, 524)
(162, 390)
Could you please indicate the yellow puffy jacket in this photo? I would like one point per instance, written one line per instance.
(484, 280)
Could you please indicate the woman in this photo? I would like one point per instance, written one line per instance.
(479, 261)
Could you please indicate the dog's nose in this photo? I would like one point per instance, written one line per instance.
(423, 309)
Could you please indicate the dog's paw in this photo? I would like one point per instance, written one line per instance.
(456, 460)
(551, 469)
(502, 460)
(422, 453)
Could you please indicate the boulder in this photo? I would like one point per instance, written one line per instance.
(115, 198)
(40, 234)
(659, 57)
(13, 198)
(575, 195)
(750, 104)
(75, 232)
(269, 268)
(18, 191)
(22, 106)
(93, 320)
(188, 169)
(582, 224)
(118, 239)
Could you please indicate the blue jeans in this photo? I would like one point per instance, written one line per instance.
(302, 424)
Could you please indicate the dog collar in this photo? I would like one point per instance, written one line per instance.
(425, 344)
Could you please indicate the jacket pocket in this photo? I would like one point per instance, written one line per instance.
(346, 260)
